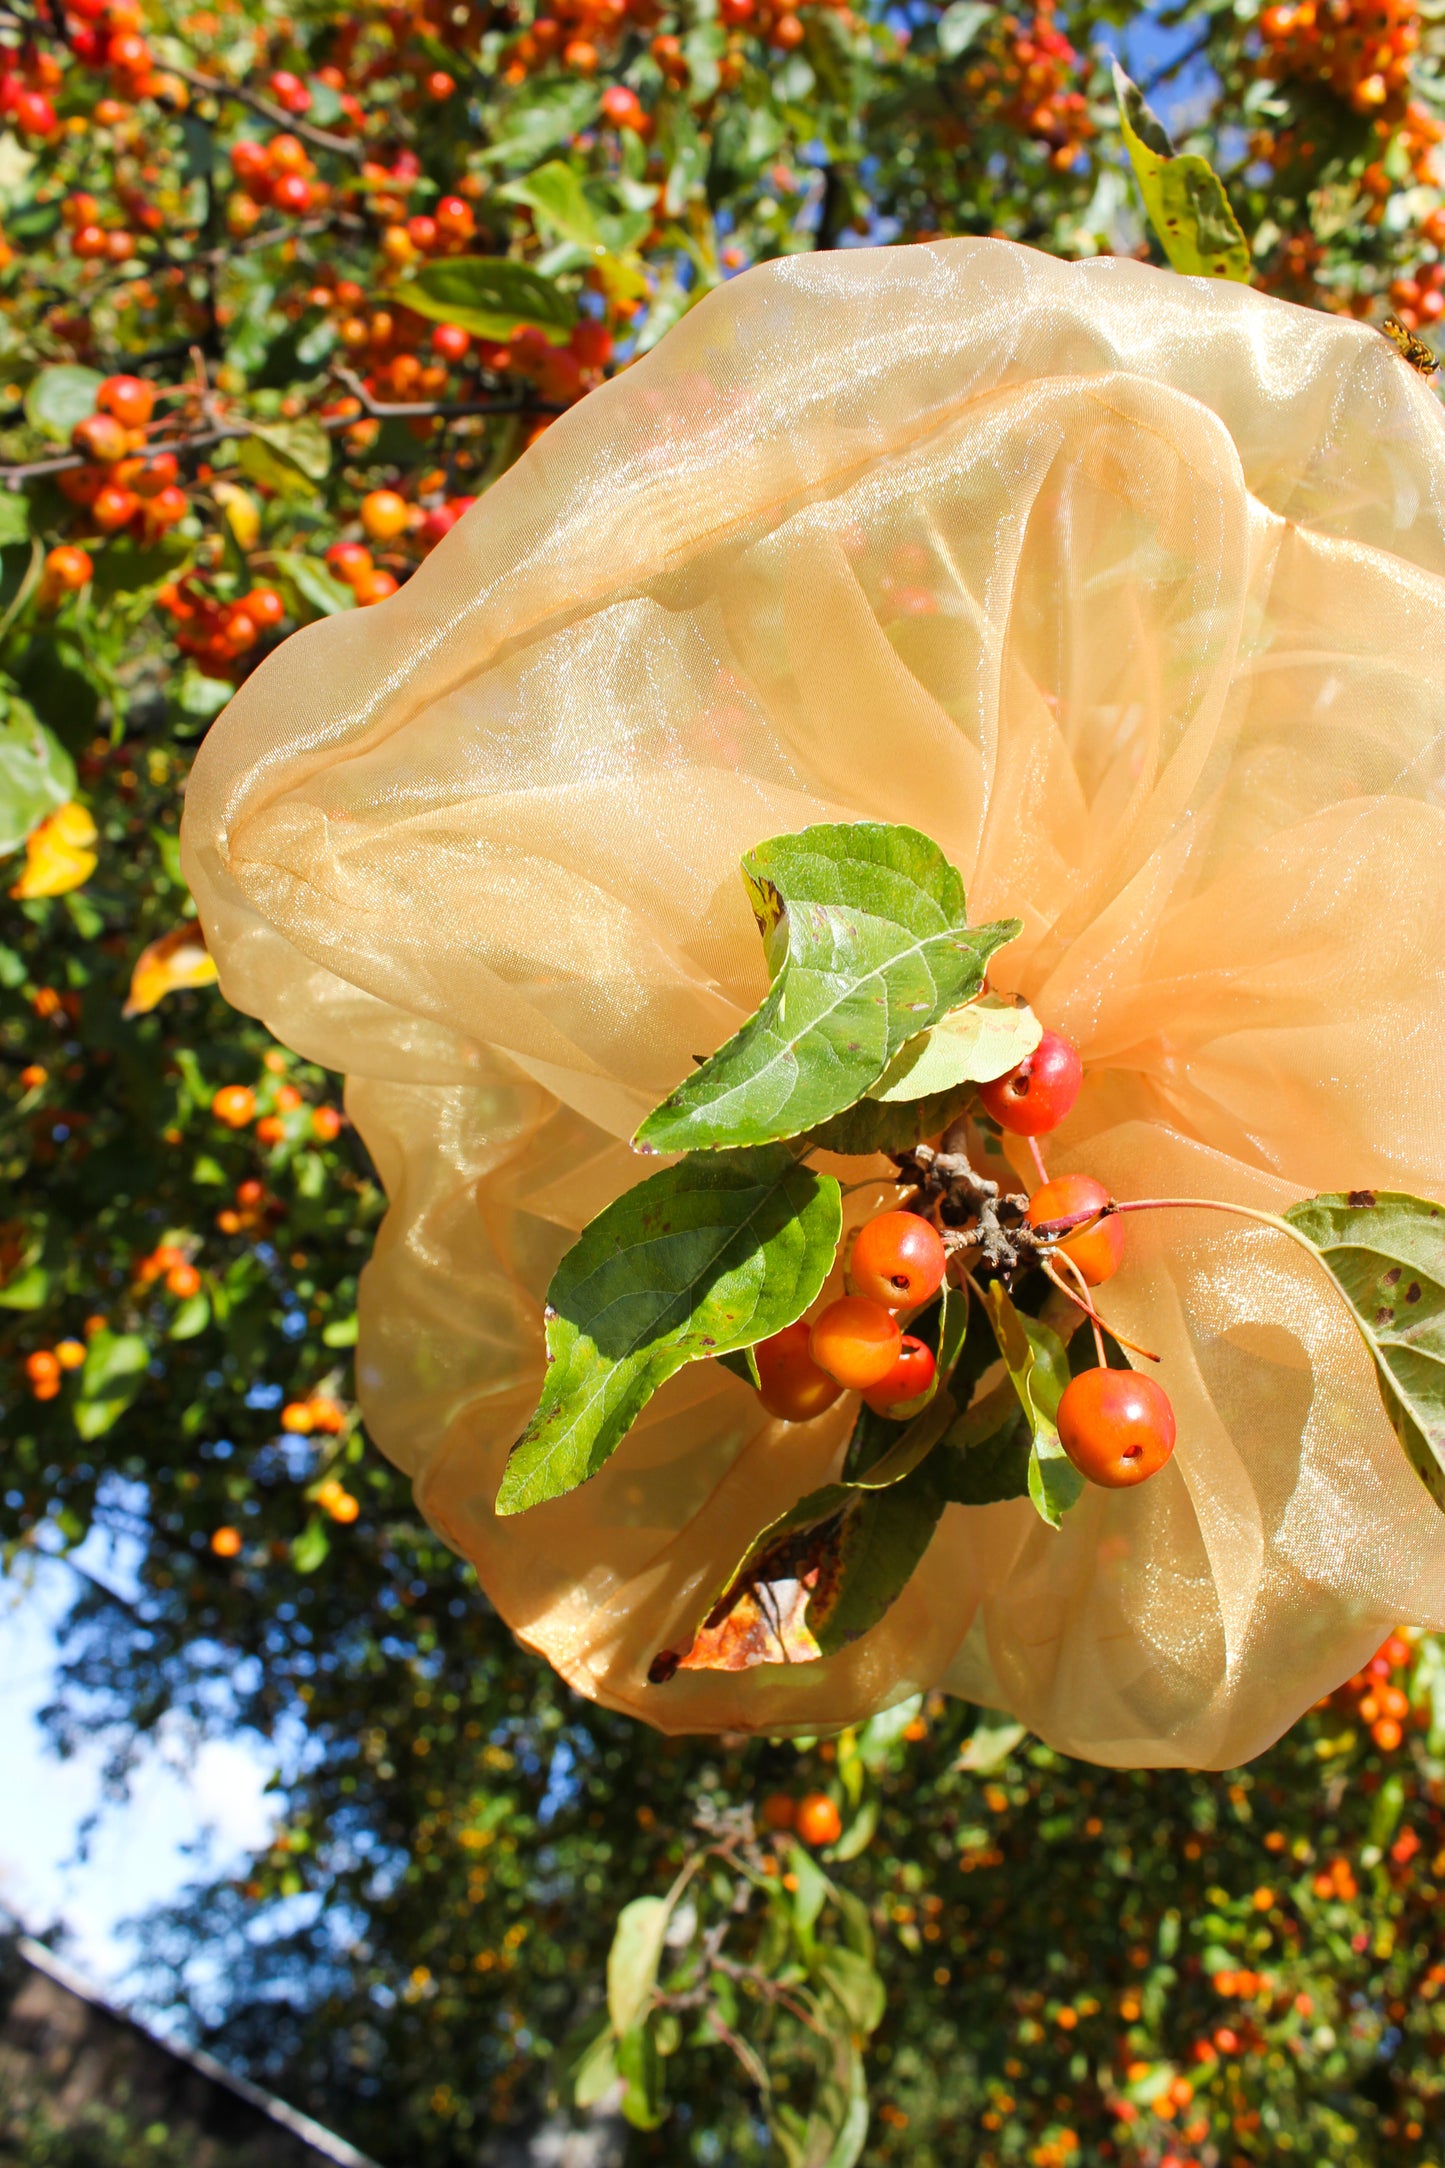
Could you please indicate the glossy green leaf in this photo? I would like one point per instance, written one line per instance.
(971, 1045)
(1183, 195)
(711, 1255)
(14, 517)
(1385, 1252)
(633, 1960)
(490, 296)
(555, 192)
(867, 944)
(61, 396)
(1038, 1366)
(299, 452)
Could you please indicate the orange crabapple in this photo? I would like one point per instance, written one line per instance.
(910, 1376)
(1097, 1251)
(235, 1105)
(1116, 1426)
(856, 1340)
(129, 398)
(791, 1385)
(817, 1820)
(384, 514)
(898, 1259)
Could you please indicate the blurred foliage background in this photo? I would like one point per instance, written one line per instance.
(345, 267)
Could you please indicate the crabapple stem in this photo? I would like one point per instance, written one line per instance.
(1092, 1314)
(1038, 1159)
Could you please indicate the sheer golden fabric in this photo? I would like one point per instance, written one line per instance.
(1127, 588)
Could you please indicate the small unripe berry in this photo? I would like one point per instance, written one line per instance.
(1116, 1426)
(898, 1259)
(1097, 1251)
(792, 1386)
(856, 1341)
(1035, 1097)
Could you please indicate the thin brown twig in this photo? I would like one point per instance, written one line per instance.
(404, 409)
(214, 86)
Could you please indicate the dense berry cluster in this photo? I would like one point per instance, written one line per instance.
(1116, 1426)
(1360, 49)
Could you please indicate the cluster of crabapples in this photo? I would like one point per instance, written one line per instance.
(219, 633)
(1116, 1426)
(121, 485)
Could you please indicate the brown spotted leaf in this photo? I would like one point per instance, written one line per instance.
(1386, 1254)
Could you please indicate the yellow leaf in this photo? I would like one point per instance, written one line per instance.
(58, 856)
(243, 514)
(179, 959)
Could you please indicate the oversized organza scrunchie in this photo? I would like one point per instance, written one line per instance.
(1128, 589)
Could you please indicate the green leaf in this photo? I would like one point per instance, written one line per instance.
(14, 517)
(867, 945)
(971, 1045)
(743, 1363)
(314, 583)
(990, 1743)
(555, 192)
(302, 444)
(312, 1547)
(858, 1835)
(1038, 1366)
(987, 1454)
(883, 1540)
(28, 1290)
(540, 117)
(960, 24)
(193, 1316)
(891, 1126)
(36, 773)
(596, 2072)
(60, 397)
(855, 1986)
(707, 1256)
(633, 1960)
(292, 458)
(1183, 195)
(640, 2068)
(1385, 1253)
(113, 1373)
(488, 295)
(342, 1332)
(197, 694)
